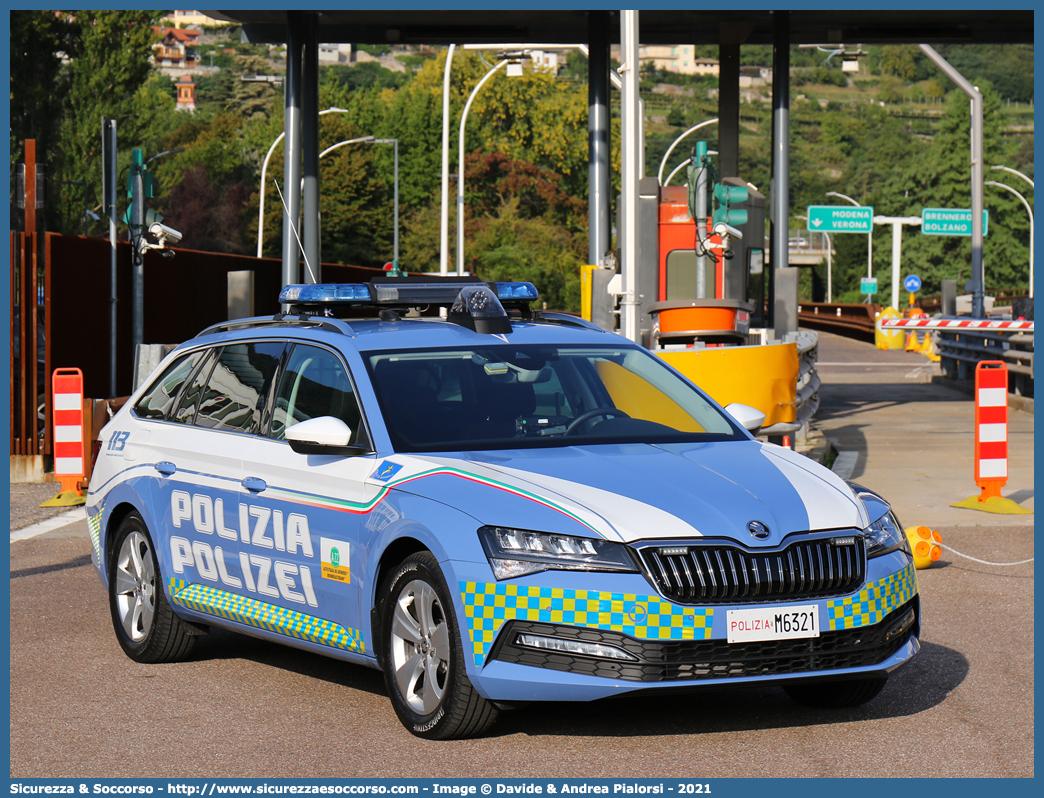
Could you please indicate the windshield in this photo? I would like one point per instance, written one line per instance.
(505, 396)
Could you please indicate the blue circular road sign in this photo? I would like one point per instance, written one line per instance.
(912, 283)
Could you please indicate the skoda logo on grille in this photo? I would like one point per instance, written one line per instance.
(758, 530)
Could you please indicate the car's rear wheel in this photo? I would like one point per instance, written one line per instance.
(424, 658)
(145, 625)
(836, 695)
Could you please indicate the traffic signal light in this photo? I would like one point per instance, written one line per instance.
(724, 198)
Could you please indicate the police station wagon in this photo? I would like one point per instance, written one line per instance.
(494, 507)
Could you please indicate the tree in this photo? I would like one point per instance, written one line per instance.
(208, 193)
(208, 212)
(494, 180)
(940, 178)
(250, 99)
(362, 76)
(507, 246)
(112, 64)
(39, 84)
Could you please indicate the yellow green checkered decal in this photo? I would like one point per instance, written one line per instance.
(873, 602)
(488, 606)
(265, 616)
(94, 525)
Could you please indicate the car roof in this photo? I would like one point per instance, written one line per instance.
(408, 333)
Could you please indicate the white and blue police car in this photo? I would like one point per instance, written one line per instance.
(494, 506)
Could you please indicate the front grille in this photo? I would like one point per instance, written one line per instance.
(702, 573)
(709, 660)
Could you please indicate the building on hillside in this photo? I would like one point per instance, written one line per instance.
(186, 94)
(679, 58)
(705, 66)
(175, 48)
(182, 19)
(546, 59)
(334, 53)
(752, 76)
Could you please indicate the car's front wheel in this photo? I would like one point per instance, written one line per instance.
(423, 656)
(836, 695)
(145, 625)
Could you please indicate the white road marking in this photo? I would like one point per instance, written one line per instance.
(58, 521)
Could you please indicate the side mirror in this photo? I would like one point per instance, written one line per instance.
(748, 418)
(323, 435)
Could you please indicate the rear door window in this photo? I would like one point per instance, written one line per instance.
(239, 387)
(189, 402)
(159, 401)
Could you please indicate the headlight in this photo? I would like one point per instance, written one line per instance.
(517, 552)
(885, 535)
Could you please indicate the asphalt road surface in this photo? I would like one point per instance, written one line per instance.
(246, 708)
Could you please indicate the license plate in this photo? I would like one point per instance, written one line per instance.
(772, 623)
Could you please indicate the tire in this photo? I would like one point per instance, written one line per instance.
(836, 695)
(424, 658)
(145, 625)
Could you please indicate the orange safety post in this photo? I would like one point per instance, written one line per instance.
(991, 427)
(67, 403)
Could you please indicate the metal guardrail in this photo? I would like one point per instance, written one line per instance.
(961, 348)
(1002, 296)
(839, 317)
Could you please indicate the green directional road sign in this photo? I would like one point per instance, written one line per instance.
(840, 218)
(950, 222)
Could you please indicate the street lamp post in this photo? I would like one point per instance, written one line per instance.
(264, 169)
(869, 236)
(395, 200)
(460, 160)
(1030, 212)
(444, 221)
(1014, 172)
(522, 50)
(677, 141)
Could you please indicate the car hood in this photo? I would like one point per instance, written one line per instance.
(630, 492)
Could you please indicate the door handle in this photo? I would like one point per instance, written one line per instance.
(166, 468)
(254, 484)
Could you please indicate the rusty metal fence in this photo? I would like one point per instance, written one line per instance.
(30, 357)
(60, 300)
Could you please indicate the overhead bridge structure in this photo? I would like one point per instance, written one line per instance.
(729, 29)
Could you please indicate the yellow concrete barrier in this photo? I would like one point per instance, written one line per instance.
(764, 377)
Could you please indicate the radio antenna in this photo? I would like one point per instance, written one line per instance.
(304, 254)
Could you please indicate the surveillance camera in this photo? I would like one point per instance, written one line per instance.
(164, 233)
(727, 231)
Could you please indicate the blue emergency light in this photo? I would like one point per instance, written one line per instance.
(406, 293)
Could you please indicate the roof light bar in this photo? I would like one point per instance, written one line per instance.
(325, 293)
(516, 291)
(418, 293)
(407, 293)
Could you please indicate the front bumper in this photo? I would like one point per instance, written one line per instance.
(658, 661)
(866, 633)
